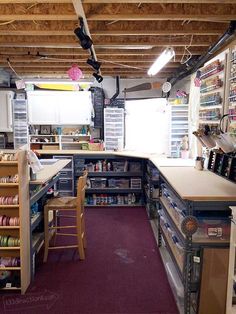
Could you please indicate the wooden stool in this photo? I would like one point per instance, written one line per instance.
(51, 227)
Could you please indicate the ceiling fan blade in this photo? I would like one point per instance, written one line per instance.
(144, 86)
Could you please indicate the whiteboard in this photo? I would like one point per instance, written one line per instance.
(59, 107)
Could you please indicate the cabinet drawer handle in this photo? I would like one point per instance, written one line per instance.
(64, 181)
(63, 173)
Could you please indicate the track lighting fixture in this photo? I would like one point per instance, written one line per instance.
(98, 77)
(85, 40)
(95, 64)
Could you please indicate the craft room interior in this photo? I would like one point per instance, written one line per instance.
(118, 157)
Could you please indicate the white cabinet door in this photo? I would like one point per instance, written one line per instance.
(76, 108)
(6, 111)
(43, 107)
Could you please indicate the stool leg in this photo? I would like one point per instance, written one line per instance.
(79, 239)
(46, 234)
(83, 232)
(54, 234)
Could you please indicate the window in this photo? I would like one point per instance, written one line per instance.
(147, 125)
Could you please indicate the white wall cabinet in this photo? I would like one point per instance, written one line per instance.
(6, 111)
(59, 107)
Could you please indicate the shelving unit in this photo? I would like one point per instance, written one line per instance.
(111, 185)
(113, 128)
(20, 276)
(20, 122)
(231, 96)
(187, 249)
(56, 142)
(231, 300)
(179, 127)
(211, 107)
(151, 189)
(66, 183)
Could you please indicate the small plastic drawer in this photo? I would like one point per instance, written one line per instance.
(118, 183)
(64, 194)
(136, 183)
(65, 184)
(135, 166)
(98, 183)
(65, 174)
(213, 228)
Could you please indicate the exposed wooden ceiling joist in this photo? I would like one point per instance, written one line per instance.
(160, 1)
(122, 1)
(110, 33)
(161, 17)
(128, 35)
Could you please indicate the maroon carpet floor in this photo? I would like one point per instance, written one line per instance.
(122, 273)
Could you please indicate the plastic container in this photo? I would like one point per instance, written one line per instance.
(97, 183)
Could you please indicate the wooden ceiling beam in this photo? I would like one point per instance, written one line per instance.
(144, 32)
(38, 17)
(33, 1)
(159, 1)
(81, 63)
(119, 17)
(121, 1)
(78, 52)
(161, 17)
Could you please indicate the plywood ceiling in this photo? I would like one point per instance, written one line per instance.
(37, 36)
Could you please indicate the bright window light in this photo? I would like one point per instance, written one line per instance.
(161, 61)
(147, 125)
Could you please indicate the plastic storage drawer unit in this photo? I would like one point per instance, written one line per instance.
(98, 183)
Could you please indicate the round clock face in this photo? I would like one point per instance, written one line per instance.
(166, 87)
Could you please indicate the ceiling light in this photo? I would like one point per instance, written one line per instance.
(98, 77)
(95, 64)
(161, 61)
(85, 40)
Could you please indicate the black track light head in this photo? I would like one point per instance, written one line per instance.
(85, 40)
(98, 77)
(95, 64)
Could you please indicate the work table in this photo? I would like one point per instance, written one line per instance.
(49, 171)
(190, 184)
(195, 185)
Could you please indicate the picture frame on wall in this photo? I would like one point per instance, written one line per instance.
(45, 129)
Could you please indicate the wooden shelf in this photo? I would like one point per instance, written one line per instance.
(8, 163)
(9, 227)
(9, 206)
(9, 185)
(115, 205)
(9, 248)
(113, 190)
(10, 268)
(10, 288)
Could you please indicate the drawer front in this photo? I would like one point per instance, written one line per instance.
(61, 193)
(65, 185)
(66, 174)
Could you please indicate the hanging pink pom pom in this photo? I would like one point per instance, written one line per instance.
(75, 73)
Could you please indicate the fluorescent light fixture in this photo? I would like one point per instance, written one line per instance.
(161, 61)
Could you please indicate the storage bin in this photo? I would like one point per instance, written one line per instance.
(65, 184)
(120, 166)
(135, 166)
(50, 147)
(135, 183)
(213, 228)
(98, 183)
(65, 174)
(118, 183)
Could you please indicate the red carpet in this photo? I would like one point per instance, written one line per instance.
(122, 273)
